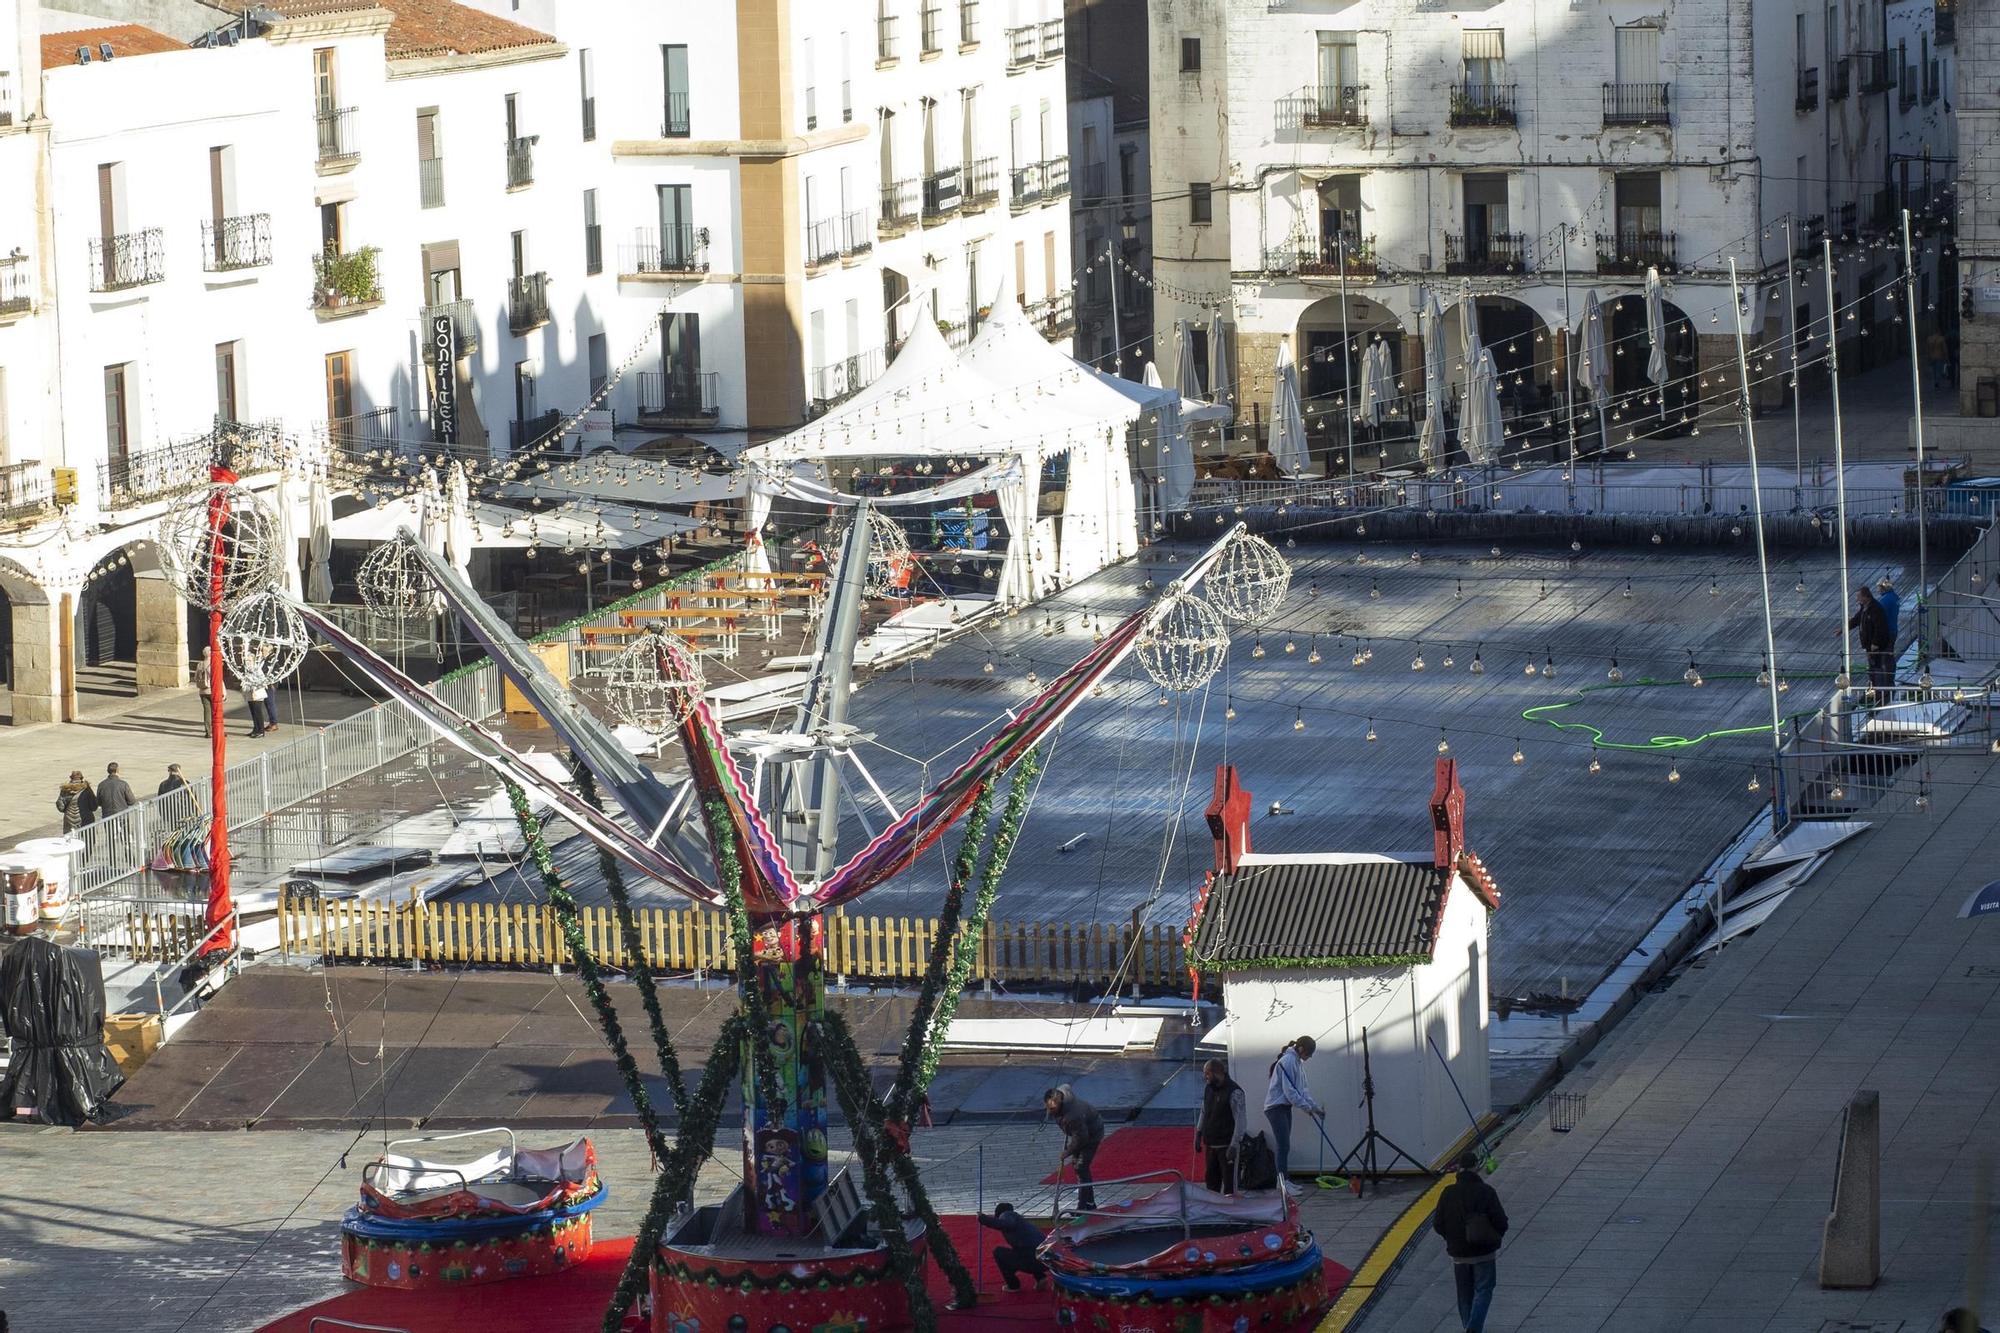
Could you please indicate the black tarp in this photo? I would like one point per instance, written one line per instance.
(52, 1006)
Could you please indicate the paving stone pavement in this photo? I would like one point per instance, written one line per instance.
(221, 1233)
(1691, 1196)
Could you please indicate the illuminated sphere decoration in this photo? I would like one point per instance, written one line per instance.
(264, 639)
(1185, 647)
(1249, 580)
(654, 684)
(888, 552)
(243, 548)
(393, 582)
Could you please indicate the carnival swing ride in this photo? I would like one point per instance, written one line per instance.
(790, 1247)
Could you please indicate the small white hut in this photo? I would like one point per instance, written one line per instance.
(1335, 945)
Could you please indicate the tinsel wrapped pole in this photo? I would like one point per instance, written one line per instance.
(221, 906)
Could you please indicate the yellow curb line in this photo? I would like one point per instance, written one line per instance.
(1361, 1287)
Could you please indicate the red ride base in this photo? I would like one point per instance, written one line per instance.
(536, 1250)
(850, 1292)
(1293, 1308)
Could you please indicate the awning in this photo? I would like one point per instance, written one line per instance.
(499, 526)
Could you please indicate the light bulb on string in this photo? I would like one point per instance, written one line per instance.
(1595, 765)
(1477, 668)
(1257, 648)
(1444, 746)
(1370, 737)
(1290, 647)
(1417, 662)
(1628, 590)
(1549, 666)
(1693, 673)
(1229, 711)
(1763, 670)
(1312, 655)
(1754, 784)
(1374, 589)
(1520, 757)
(1298, 720)
(1447, 662)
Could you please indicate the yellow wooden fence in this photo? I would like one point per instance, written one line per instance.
(887, 948)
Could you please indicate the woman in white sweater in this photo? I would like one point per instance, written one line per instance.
(1288, 1089)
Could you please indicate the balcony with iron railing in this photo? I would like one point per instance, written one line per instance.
(1806, 235)
(674, 118)
(1906, 93)
(1054, 316)
(823, 242)
(593, 247)
(430, 182)
(944, 191)
(589, 119)
(1636, 104)
(968, 22)
(131, 260)
(1055, 178)
(27, 491)
(1633, 251)
(1027, 186)
(1335, 106)
(521, 162)
(840, 380)
(680, 249)
(885, 38)
(1494, 252)
(982, 182)
(1807, 96)
(1841, 80)
(678, 396)
(857, 233)
(339, 144)
(525, 435)
(464, 323)
(1847, 219)
(930, 28)
(1474, 104)
(346, 282)
(230, 244)
(17, 287)
(1932, 76)
(1022, 44)
(528, 302)
(1324, 256)
(1872, 72)
(1052, 41)
(145, 474)
(1879, 212)
(900, 201)
(352, 439)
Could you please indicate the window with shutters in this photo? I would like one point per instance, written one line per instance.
(1485, 57)
(227, 386)
(593, 235)
(586, 75)
(339, 385)
(1339, 61)
(117, 412)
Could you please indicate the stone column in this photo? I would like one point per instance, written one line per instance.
(162, 626)
(1851, 1244)
(38, 683)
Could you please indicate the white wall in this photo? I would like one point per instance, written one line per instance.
(1403, 1010)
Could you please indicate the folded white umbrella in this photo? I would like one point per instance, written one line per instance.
(1436, 380)
(1656, 334)
(1480, 430)
(319, 542)
(1288, 425)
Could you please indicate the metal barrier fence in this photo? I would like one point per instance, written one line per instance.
(872, 947)
(118, 847)
(1500, 491)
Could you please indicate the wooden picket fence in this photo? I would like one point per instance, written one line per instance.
(876, 948)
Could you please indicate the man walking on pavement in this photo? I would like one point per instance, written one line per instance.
(1018, 1255)
(1223, 1121)
(114, 794)
(1083, 1133)
(173, 780)
(1471, 1220)
(1287, 1090)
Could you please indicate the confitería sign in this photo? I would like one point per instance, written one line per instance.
(444, 379)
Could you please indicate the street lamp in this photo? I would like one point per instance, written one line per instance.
(1129, 225)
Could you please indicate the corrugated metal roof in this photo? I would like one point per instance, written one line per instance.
(1319, 912)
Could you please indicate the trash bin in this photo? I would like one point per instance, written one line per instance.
(1565, 1111)
(53, 857)
(1988, 394)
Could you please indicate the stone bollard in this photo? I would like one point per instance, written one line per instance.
(1851, 1245)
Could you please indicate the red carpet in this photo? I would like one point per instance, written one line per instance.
(1138, 1149)
(573, 1302)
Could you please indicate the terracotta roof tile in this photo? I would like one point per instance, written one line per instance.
(444, 27)
(127, 39)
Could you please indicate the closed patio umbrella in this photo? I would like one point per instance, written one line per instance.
(1656, 338)
(1288, 425)
(1221, 383)
(1480, 431)
(1594, 371)
(1431, 441)
(319, 543)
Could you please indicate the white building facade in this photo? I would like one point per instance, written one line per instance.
(1486, 155)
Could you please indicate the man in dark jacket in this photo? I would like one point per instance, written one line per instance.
(1222, 1123)
(1083, 1132)
(1471, 1220)
(173, 781)
(1870, 624)
(114, 794)
(1018, 1255)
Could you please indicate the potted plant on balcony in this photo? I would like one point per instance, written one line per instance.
(346, 279)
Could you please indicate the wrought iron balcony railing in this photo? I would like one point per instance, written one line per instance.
(1630, 250)
(674, 122)
(1872, 72)
(131, 260)
(1052, 40)
(677, 395)
(1022, 43)
(1055, 178)
(943, 192)
(352, 439)
(822, 242)
(899, 204)
(1841, 80)
(1482, 104)
(1848, 219)
(430, 181)
(228, 244)
(464, 323)
(1494, 252)
(1636, 104)
(27, 490)
(525, 435)
(520, 162)
(338, 142)
(528, 302)
(1806, 234)
(857, 233)
(982, 182)
(17, 288)
(1808, 92)
(681, 249)
(839, 380)
(1323, 256)
(1332, 107)
(1027, 185)
(1054, 316)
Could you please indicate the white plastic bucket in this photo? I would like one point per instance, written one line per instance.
(20, 894)
(52, 856)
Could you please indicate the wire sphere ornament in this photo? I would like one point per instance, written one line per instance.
(1186, 646)
(1249, 580)
(654, 684)
(888, 553)
(264, 639)
(220, 528)
(393, 582)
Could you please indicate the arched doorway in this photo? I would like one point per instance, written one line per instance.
(106, 629)
(1330, 350)
(1524, 348)
(1640, 407)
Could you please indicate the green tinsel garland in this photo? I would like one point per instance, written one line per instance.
(586, 966)
(635, 954)
(1002, 846)
(903, 1092)
(751, 989)
(675, 1183)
